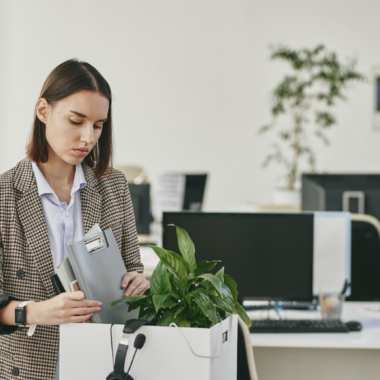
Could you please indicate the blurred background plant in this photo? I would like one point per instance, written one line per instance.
(303, 101)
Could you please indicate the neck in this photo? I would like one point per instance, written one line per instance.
(57, 172)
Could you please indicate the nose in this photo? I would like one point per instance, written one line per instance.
(88, 134)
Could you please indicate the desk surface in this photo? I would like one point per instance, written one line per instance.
(368, 338)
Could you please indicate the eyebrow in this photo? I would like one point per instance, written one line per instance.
(81, 115)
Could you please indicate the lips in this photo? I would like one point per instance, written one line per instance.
(81, 152)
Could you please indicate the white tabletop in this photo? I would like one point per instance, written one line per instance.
(369, 338)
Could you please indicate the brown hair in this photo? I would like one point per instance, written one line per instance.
(66, 79)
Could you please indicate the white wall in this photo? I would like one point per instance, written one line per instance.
(191, 80)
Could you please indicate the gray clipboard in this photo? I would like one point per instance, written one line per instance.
(99, 270)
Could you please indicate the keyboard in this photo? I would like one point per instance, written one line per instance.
(298, 326)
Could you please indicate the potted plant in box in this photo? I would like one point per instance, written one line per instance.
(181, 291)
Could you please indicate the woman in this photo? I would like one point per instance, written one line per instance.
(53, 197)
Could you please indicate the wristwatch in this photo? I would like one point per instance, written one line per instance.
(20, 317)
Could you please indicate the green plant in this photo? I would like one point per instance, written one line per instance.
(182, 292)
(317, 82)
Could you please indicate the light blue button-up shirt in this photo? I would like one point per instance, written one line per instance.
(64, 221)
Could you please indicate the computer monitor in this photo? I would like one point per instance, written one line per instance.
(194, 191)
(270, 256)
(140, 195)
(356, 193)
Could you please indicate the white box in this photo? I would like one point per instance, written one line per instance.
(85, 352)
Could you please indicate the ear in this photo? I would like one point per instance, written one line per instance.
(42, 110)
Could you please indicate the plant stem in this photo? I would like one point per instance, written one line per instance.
(296, 149)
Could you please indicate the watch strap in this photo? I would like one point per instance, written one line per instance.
(32, 328)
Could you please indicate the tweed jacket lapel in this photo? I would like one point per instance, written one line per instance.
(91, 200)
(30, 212)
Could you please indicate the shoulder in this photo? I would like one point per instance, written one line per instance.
(18, 173)
(112, 181)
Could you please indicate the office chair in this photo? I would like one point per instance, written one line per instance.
(246, 368)
(365, 258)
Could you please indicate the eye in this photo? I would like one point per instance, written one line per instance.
(73, 122)
(98, 126)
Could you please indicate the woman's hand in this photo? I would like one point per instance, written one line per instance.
(137, 284)
(68, 307)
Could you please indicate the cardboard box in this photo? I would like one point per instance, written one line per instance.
(87, 351)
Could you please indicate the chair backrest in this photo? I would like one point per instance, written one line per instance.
(365, 258)
(246, 368)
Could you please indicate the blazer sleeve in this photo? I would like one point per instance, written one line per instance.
(130, 244)
(4, 299)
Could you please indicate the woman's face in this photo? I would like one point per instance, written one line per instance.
(73, 125)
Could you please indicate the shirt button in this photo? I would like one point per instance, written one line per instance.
(56, 198)
(67, 213)
(68, 243)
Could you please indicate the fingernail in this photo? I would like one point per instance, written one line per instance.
(127, 294)
(100, 304)
(124, 285)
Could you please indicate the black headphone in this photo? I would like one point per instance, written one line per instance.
(130, 327)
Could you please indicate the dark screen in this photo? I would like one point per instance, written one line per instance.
(140, 196)
(270, 256)
(324, 192)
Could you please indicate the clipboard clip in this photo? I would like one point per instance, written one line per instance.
(94, 243)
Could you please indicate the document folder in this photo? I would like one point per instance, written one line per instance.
(99, 269)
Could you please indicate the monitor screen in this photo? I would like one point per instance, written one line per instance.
(270, 256)
(194, 192)
(356, 193)
(140, 195)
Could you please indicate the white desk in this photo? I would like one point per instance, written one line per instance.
(355, 355)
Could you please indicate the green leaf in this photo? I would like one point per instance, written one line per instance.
(231, 285)
(147, 314)
(180, 310)
(160, 283)
(183, 322)
(188, 300)
(220, 275)
(168, 318)
(205, 266)
(169, 303)
(214, 281)
(186, 247)
(145, 302)
(159, 300)
(202, 299)
(242, 314)
(173, 264)
(225, 304)
(129, 299)
(177, 290)
(212, 292)
(201, 321)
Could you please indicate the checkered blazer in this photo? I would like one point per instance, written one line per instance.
(26, 262)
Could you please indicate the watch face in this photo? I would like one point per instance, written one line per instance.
(20, 315)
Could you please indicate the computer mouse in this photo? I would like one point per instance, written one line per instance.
(354, 325)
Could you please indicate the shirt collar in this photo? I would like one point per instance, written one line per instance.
(44, 187)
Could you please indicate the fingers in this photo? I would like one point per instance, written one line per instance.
(84, 310)
(141, 288)
(79, 318)
(138, 280)
(130, 276)
(77, 296)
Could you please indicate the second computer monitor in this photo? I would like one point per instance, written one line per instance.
(356, 193)
(270, 256)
